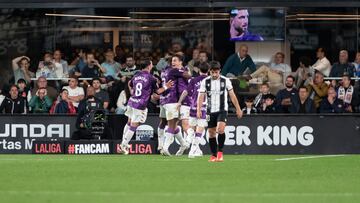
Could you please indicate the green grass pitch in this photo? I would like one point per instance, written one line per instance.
(137, 178)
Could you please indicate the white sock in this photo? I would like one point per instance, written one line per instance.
(161, 137)
(126, 128)
(169, 139)
(127, 137)
(190, 135)
(180, 138)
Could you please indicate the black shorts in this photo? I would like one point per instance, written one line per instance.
(217, 117)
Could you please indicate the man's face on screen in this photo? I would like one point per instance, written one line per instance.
(241, 21)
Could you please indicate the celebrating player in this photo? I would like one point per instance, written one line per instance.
(169, 102)
(216, 88)
(197, 125)
(143, 84)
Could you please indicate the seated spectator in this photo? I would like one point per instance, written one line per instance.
(20, 66)
(283, 97)
(46, 68)
(268, 106)
(42, 83)
(303, 74)
(99, 93)
(356, 63)
(238, 62)
(24, 91)
(76, 93)
(259, 99)
(195, 58)
(331, 104)
(40, 103)
(280, 66)
(249, 109)
(79, 62)
(14, 104)
(111, 67)
(322, 64)
(302, 103)
(92, 69)
(122, 100)
(130, 68)
(120, 54)
(343, 66)
(62, 104)
(317, 89)
(346, 93)
(61, 66)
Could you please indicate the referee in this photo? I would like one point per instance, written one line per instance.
(215, 89)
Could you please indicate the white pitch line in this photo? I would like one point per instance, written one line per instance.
(176, 194)
(309, 157)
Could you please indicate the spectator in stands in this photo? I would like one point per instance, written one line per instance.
(203, 58)
(163, 62)
(259, 99)
(24, 91)
(302, 103)
(331, 104)
(356, 63)
(317, 89)
(322, 64)
(122, 100)
(120, 54)
(130, 68)
(279, 65)
(99, 93)
(14, 104)
(343, 66)
(76, 93)
(40, 103)
(42, 83)
(283, 97)
(268, 106)
(92, 68)
(303, 74)
(46, 68)
(60, 65)
(62, 104)
(20, 66)
(249, 108)
(346, 93)
(79, 62)
(111, 67)
(195, 58)
(2, 97)
(238, 62)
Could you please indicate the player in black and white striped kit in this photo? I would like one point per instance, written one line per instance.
(216, 88)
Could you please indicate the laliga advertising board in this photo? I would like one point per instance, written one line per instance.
(265, 134)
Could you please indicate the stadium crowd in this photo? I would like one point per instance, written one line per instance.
(58, 86)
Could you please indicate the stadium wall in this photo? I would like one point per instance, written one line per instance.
(259, 134)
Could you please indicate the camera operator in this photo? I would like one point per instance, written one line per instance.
(90, 109)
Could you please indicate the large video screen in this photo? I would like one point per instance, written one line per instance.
(257, 24)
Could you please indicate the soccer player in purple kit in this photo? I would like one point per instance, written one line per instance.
(169, 102)
(197, 125)
(142, 85)
(216, 89)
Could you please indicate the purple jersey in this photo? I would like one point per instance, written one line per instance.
(193, 92)
(183, 85)
(143, 84)
(171, 95)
